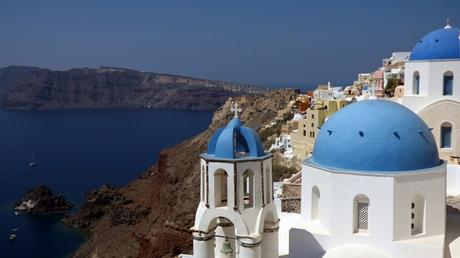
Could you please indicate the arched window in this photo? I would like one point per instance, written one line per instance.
(446, 135)
(361, 214)
(315, 197)
(416, 83)
(418, 215)
(248, 186)
(203, 184)
(448, 84)
(220, 188)
(268, 186)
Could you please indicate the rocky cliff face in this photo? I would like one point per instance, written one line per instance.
(166, 195)
(28, 88)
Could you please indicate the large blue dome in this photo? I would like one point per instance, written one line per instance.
(439, 44)
(375, 136)
(235, 141)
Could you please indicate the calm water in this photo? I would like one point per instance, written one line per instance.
(77, 151)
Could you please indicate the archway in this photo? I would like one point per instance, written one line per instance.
(220, 188)
(315, 198)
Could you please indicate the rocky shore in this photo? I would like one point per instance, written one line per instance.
(41, 200)
(151, 216)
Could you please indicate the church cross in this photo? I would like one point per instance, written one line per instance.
(236, 110)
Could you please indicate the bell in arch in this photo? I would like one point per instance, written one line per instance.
(226, 247)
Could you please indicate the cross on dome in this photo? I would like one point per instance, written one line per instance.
(447, 24)
(235, 109)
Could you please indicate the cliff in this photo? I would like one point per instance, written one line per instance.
(151, 216)
(30, 88)
(41, 200)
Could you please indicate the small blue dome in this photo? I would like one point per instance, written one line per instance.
(235, 141)
(375, 136)
(439, 44)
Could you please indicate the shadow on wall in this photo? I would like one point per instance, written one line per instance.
(302, 244)
(452, 242)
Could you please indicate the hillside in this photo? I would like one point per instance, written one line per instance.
(150, 217)
(30, 88)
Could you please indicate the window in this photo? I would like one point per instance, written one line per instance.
(312, 124)
(312, 134)
(361, 214)
(446, 135)
(312, 116)
(416, 83)
(417, 215)
(315, 197)
(203, 183)
(448, 82)
(248, 188)
(220, 188)
(268, 186)
(304, 133)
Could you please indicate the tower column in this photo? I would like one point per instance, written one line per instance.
(270, 242)
(203, 245)
(225, 228)
(249, 247)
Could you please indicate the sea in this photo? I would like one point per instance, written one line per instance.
(77, 151)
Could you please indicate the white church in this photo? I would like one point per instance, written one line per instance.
(374, 187)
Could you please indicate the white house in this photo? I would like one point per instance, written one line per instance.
(374, 187)
(432, 90)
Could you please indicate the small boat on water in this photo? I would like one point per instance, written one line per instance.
(13, 237)
(16, 213)
(32, 162)
(15, 229)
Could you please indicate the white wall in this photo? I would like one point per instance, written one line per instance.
(390, 197)
(431, 82)
(453, 179)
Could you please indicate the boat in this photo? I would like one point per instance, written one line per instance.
(13, 237)
(32, 163)
(15, 229)
(16, 213)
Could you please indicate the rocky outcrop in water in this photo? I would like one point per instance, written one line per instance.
(41, 200)
(30, 88)
(107, 201)
(170, 189)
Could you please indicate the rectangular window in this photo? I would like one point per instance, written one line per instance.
(304, 133)
(448, 85)
(312, 116)
(362, 217)
(312, 124)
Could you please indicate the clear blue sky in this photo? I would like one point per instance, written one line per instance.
(272, 43)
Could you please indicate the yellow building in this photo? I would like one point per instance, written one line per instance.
(303, 139)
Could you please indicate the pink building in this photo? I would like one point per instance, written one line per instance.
(377, 78)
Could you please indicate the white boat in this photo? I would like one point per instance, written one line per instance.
(32, 163)
(13, 237)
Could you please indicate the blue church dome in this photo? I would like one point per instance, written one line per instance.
(439, 44)
(375, 136)
(235, 141)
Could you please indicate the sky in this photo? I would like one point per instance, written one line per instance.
(276, 43)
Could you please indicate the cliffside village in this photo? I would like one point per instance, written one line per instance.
(375, 175)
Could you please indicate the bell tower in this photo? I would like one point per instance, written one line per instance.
(236, 217)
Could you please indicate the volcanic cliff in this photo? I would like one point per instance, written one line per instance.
(31, 88)
(151, 216)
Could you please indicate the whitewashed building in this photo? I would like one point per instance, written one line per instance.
(432, 90)
(374, 187)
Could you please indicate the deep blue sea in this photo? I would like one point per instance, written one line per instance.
(77, 151)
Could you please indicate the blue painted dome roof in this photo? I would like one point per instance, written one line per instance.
(439, 44)
(235, 141)
(375, 136)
